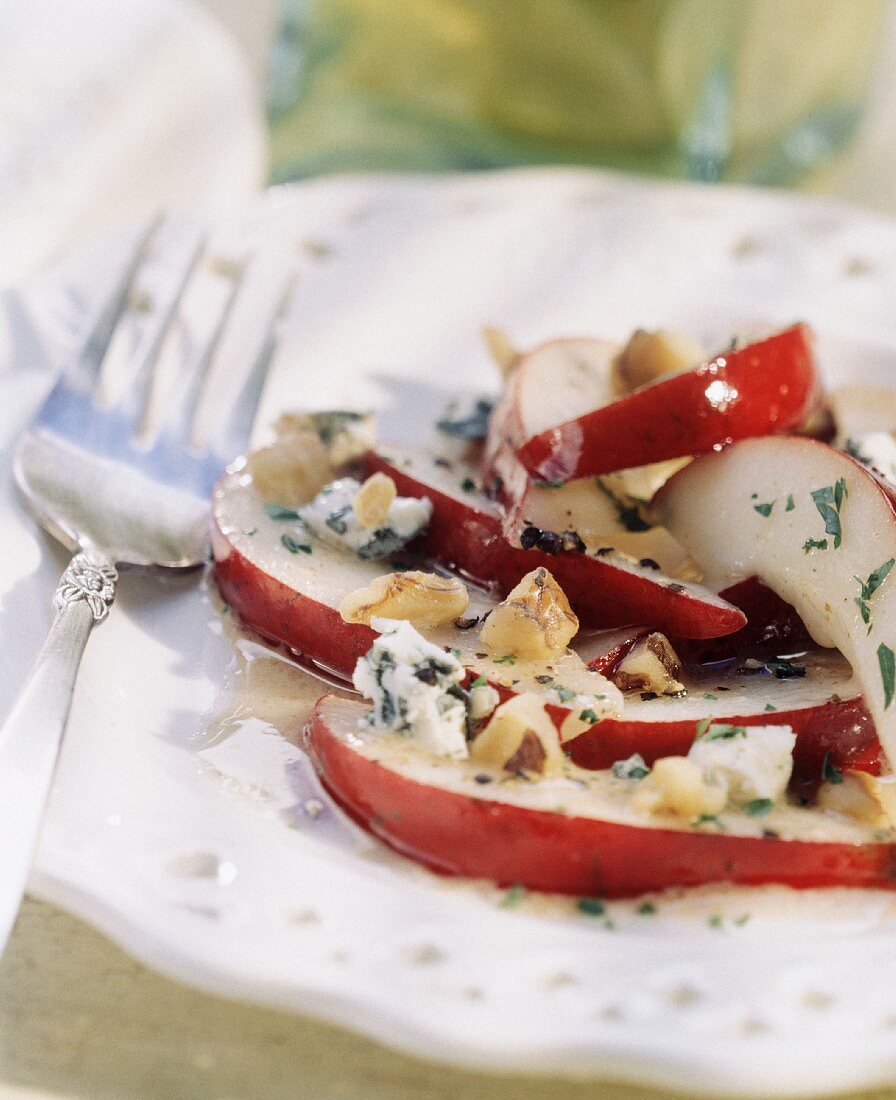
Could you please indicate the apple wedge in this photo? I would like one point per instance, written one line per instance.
(566, 379)
(290, 592)
(819, 530)
(767, 387)
(575, 833)
(465, 533)
(818, 697)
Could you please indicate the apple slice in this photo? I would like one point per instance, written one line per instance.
(575, 833)
(605, 590)
(818, 529)
(567, 379)
(290, 592)
(822, 704)
(770, 386)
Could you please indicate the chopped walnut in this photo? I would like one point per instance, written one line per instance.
(677, 785)
(520, 737)
(650, 355)
(534, 621)
(374, 499)
(424, 599)
(501, 350)
(867, 798)
(291, 471)
(650, 665)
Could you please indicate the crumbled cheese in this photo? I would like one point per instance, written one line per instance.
(415, 689)
(753, 762)
(483, 700)
(332, 518)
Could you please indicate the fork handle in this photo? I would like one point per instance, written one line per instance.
(31, 735)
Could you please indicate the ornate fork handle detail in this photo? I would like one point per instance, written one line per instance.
(88, 580)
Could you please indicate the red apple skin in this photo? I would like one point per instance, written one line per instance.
(765, 388)
(470, 539)
(455, 834)
(773, 628)
(842, 729)
(280, 614)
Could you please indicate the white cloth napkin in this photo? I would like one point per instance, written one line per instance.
(111, 110)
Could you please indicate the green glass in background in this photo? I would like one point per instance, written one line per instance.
(760, 91)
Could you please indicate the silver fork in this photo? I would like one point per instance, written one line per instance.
(91, 480)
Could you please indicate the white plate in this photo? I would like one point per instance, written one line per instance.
(206, 856)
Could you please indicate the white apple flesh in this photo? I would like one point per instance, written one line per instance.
(818, 529)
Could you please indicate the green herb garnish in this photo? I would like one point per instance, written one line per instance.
(294, 546)
(646, 909)
(724, 733)
(830, 771)
(592, 907)
(869, 587)
(769, 708)
(828, 501)
(759, 807)
(507, 659)
(785, 670)
(588, 716)
(814, 544)
(277, 511)
(887, 663)
(764, 509)
(543, 483)
(563, 693)
(468, 485)
(513, 897)
(790, 504)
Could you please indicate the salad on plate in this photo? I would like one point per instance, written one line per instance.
(631, 626)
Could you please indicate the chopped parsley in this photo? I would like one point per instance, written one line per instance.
(723, 732)
(507, 659)
(592, 907)
(479, 682)
(703, 725)
(769, 708)
(814, 544)
(759, 807)
(294, 546)
(790, 504)
(468, 485)
(764, 509)
(828, 501)
(277, 511)
(543, 483)
(563, 693)
(830, 771)
(709, 695)
(588, 716)
(646, 909)
(887, 663)
(513, 897)
(635, 767)
(785, 670)
(716, 921)
(869, 587)
(708, 819)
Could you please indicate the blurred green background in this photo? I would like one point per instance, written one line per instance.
(761, 91)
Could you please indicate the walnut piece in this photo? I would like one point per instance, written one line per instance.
(424, 599)
(291, 471)
(650, 355)
(519, 738)
(650, 665)
(374, 499)
(677, 785)
(865, 797)
(534, 621)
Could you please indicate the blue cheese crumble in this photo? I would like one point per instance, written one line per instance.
(752, 762)
(416, 689)
(332, 518)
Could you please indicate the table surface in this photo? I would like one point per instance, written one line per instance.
(79, 1018)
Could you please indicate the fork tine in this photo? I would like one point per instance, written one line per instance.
(234, 432)
(84, 368)
(180, 414)
(132, 405)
